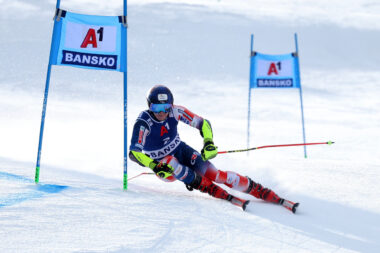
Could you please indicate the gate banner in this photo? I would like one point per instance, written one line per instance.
(89, 41)
(274, 71)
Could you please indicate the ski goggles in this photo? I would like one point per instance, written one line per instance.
(157, 108)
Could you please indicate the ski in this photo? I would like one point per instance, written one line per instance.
(238, 202)
(291, 206)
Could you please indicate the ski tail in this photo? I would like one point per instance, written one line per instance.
(291, 206)
(238, 202)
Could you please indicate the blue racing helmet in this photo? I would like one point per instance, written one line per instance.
(160, 99)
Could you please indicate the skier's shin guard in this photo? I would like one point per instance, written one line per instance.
(232, 180)
(258, 191)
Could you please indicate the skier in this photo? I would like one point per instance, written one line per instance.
(156, 144)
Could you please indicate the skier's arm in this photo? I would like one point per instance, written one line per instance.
(186, 116)
(162, 170)
(140, 131)
(142, 159)
(209, 150)
(139, 134)
(206, 131)
(183, 114)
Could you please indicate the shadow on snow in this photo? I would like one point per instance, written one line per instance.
(31, 191)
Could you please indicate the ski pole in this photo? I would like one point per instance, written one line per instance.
(144, 173)
(275, 146)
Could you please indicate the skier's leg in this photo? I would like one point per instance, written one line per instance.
(233, 180)
(204, 184)
(190, 175)
(243, 184)
(193, 159)
(193, 180)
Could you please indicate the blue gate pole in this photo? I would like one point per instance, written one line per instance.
(47, 84)
(300, 92)
(249, 92)
(125, 177)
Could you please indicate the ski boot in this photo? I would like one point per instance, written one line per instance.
(258, 191)
(205, 185)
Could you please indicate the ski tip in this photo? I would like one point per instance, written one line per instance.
(295, 206)
(244, 206)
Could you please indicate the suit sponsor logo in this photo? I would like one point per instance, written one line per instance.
(141, 134)
(164, 130)
(193, 158)
(162, 97)
(232, 179)
(161, 153)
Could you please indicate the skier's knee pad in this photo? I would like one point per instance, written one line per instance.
(181, 172)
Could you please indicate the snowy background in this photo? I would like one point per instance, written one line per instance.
(200, 49)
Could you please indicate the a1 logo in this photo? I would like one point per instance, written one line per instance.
(274, 68)
(91, 38)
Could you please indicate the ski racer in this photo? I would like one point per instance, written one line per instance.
(156, 144)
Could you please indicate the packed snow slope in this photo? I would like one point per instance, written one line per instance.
(200, 49)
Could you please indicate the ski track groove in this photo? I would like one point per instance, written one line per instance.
(161, 241)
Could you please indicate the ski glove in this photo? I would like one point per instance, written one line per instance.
(162, 170)
(209, 150)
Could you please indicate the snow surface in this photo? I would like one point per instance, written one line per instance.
(200, 50)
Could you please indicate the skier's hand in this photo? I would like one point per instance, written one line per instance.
(209, 150)
(163, 170)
